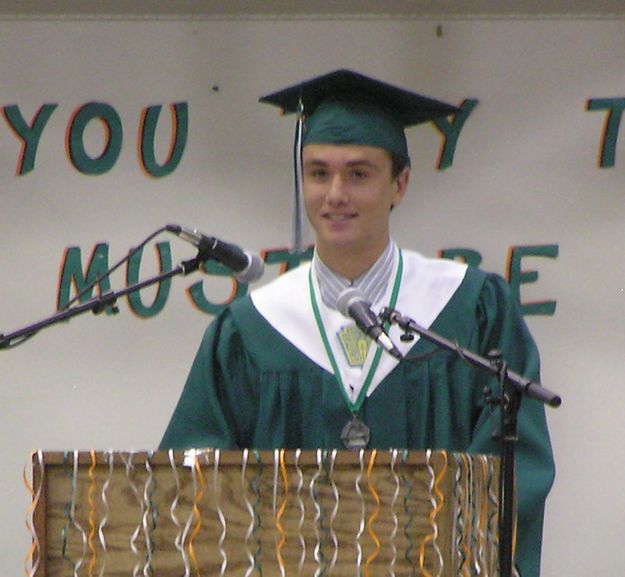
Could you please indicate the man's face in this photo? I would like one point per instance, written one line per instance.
(348, 194)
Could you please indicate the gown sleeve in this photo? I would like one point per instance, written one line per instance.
(215, 403)
(502, 327)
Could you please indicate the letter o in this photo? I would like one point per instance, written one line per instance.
(114, 136)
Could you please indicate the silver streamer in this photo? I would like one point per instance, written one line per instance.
(391, 568)
(317, 521)
(334, 513)
(178, 541)
(135, 534)
(104, 497)
(32, 564)
(302, 511)
(147, 512)
(74, 523)
(250, 510)
(361, 528)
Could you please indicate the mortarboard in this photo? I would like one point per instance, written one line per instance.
(345, 107)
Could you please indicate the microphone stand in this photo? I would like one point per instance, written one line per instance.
(100, 303)
(513, 388)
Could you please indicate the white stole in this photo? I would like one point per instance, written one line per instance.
(426, 287)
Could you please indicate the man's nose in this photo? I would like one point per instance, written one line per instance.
(337, 191)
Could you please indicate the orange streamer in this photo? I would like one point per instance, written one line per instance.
(197, 514)
(280, 513)
(373, 515)
(30, 560)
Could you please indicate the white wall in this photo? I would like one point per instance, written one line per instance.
(524, 173)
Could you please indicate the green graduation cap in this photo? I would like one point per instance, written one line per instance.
(345, 107)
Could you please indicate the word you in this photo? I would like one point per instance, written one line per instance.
(29, 133)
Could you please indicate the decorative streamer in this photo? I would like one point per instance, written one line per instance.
(255, 485)
(437, 501)
(491, 527)
(474, 509)
(317, 552)
(135, 534)
(92, 514)
(302, 511)
(335, 510)
(33, 557)
(250, 510)
(409, 515)
(220, 514)
(187, 527)
(104, 497)
(197, 515)
(393, 535)
(459, 529)
(465, 513)
(178, 541)
(67, 510)
(483, 515)
(468, 507)
(150, 512)
(361, 527)
(74, 523)
(279, 456)
(374, 514)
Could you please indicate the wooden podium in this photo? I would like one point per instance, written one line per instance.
(269, 513)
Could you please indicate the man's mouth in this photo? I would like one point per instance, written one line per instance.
(338, 217)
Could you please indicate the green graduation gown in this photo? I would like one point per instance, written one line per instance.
(261, 380)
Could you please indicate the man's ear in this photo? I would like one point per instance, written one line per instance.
(401, 184)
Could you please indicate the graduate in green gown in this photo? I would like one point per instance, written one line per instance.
(283, 368)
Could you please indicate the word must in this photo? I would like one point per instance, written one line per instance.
(73, 274)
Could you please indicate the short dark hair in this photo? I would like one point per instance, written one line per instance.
(398, 163)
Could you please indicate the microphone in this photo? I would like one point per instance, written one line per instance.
(247, 266)
(352, 303)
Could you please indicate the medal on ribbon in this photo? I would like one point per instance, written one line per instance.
(355, 345)
(355, 435)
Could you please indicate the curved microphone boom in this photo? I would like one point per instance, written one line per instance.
(248, 267)
(352, 303)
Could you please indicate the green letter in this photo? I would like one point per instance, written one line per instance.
(615, 107)
(132, 277)
(466, 255)
(72, 273)
(451, 132)
(517, 277)
(196, 291)
(29, 135)
(75, 145)
(147, 130)
(287, 259)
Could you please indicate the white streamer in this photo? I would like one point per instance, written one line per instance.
(178, 542)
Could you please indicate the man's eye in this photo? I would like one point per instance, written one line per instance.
(317, 173)
(359, 174)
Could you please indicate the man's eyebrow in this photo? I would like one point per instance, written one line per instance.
(355, 162)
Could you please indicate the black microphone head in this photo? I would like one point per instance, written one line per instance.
(347, 298)
(253, 271)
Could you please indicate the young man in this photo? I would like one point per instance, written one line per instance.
(283, 368)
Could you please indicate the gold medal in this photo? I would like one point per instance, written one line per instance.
(355, 345)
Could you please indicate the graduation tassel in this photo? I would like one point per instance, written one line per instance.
(298, 208)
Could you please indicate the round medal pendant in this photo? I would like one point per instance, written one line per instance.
(355, 435)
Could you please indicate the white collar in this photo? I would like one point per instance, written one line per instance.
(426, 288)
